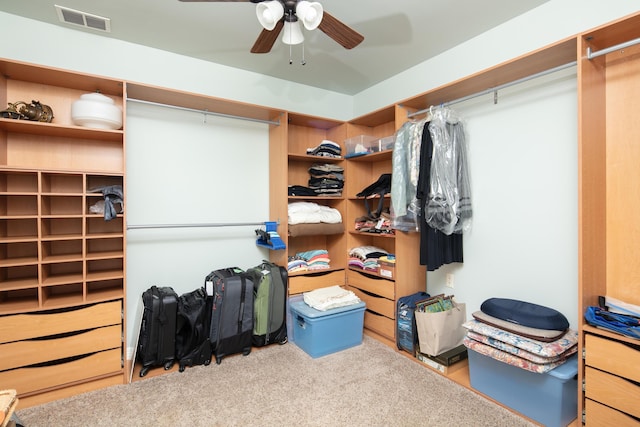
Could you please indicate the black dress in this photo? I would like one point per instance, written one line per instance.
(436, 248)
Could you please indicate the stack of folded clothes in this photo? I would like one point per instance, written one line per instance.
(326, 179)
(309, 218)
(330, 297)
(316, 259)
(326, 149)
(366, 258)
(382, 225)
(522, 334)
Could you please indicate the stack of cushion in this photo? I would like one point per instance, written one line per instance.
(522, 334)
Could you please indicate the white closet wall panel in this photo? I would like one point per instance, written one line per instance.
(523, 159)
(183, 168)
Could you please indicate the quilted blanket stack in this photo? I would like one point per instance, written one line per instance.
(532, 348)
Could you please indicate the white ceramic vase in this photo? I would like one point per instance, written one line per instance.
(97, 111)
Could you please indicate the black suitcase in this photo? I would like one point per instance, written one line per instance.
(156, 344)
(192, 329)
(231, 312)
(270, 304)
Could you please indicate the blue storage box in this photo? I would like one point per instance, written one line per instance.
(550, 398)
(320, 333)
(290, 336)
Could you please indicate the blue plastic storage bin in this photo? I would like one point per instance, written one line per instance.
(290, 336)
(550, 398)
(320, 333)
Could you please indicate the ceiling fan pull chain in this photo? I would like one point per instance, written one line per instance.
(303, 62)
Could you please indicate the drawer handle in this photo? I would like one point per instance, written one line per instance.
(368, 275)
(60, 361)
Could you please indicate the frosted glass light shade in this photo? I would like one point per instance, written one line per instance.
(292, 33)
(310, 13)
(269, 13)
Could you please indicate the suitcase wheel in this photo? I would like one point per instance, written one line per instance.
(218, 360)
(181, 368)
(168, 365)
(144, 371)
(207, 362)
(246, 352)
(284, 341)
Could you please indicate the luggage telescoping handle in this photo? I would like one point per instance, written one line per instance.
(243, 293)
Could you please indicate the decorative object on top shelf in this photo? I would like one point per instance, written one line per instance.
(94, 110)
(35, 112)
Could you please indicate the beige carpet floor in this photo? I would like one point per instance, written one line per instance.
(280, 385)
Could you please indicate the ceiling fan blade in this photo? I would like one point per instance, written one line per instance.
(267, 38)
(340, 32)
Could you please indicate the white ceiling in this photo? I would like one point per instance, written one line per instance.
(398, 33)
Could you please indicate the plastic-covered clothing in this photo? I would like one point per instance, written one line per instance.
(436, 248)
(405, 207)
(448, 207)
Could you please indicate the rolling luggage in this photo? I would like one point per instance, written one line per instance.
(406, 333)
(192, 329)
(270, 304)
(156, 344)
(231, 312)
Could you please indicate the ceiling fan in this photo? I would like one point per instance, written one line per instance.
(274, 15)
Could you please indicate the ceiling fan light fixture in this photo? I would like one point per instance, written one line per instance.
(310, 13)
(292, 33)
(269, 13)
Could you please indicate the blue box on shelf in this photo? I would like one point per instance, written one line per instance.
(550, 398)
(319, 333)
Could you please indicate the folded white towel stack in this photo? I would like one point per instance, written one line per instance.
(330, 297)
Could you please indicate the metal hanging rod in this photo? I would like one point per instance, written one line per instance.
(201, 225)
(497, 88)
(205, 112)
(591, 54)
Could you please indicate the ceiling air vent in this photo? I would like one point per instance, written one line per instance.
(83, 19)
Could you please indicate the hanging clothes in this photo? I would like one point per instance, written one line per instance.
(436, 248)
(405, 207)
(448, 207)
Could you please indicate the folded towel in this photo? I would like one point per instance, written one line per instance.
(330, 297)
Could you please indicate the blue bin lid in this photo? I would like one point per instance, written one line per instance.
(567, 370)
(307, 311)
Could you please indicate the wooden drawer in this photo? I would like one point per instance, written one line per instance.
(377, 304)
(613, 391)
(598, 415)
(29, 352)
(612, 356)
(309, 282)
(29, 380)
(41, 324)
(372, 284)
(380, 324)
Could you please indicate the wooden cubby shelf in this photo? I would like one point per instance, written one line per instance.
(53, 251)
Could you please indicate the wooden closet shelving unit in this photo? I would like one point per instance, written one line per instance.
(609, 235)
(62, 267)
(290, 166)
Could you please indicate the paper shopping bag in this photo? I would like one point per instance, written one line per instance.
(441, 331)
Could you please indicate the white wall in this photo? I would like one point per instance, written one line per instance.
(548, 23)
(523, 166)
(183, 170)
